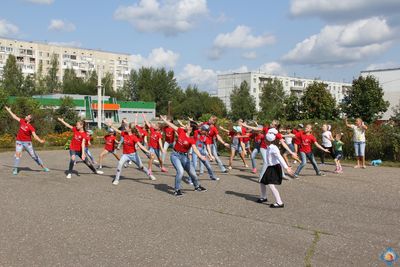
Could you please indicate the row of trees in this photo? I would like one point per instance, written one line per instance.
(364, 99)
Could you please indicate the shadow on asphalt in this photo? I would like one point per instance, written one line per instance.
(248, 177)
(248, 197)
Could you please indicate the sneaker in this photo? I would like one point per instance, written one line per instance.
(188, 180)
(200, 189)
(276, 206)
(214, 178)
(126, 165)
(69, 176)
(151, 176)
(246, 166)
(163, 169)
(100, 167)
(15, 171)
(115, 182)
(295, 176)
(229, 167)
(254, 170)
(321, 174)
(99, 172)
(261, 200)
(178, 193)
(226, 171)
(46, 169)
(130, 162)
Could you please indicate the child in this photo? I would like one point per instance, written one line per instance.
(109, 147)
(303, 144)
(258, 137)
(338, 148)
(273, 174)
(237, 145)
(326, 142)
(288, 136)
(88, 143)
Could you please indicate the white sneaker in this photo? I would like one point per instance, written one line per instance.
(115, 183)
(99, 172)
(152, 177)
(69, 176)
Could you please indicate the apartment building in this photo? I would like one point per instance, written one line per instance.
(30, 55)
(389, 80)
(256, 81)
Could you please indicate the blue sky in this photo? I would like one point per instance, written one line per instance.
(332, 40)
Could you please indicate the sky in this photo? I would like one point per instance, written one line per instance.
(199, 39)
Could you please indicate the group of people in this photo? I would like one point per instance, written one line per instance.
(195, 146)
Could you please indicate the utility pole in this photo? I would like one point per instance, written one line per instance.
(99, 101)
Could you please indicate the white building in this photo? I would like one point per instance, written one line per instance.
(30, 55)
(389, 79)
(256, 81)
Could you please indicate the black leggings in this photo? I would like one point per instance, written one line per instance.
(322, 155)
(72, 162)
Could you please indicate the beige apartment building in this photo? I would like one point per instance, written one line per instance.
(30, 55)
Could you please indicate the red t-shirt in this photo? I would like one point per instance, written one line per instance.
(77, 139)
(201, 140)
(109, 142)
(169, 135)
(245, 133)
(129, 143)
(264, 143)
(213, 132)
(25, 131)
(306, 141)
(142, 133)
(155, 136)
(184, 142)
(297, 135)
(258, 139)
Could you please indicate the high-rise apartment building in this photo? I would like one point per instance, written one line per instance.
(30, 55)
(256, 81)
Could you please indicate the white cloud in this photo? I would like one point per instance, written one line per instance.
(41, 2)
(342, 44)
(249, 55)
(344, 9)
(169, 17)
(158, 57)
(273, 68)
(7, 28)
(205, 79)
(70, 44)
(385, 65)
(61, 26)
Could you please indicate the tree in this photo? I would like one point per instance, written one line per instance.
(12, 80)
(52, 84)
(365, 100)
(40, 81)
(90, 84)
(107, 83)
(28, 87)
(272, 100)
(243, 105)
(318, 102)
(396, 113)
(70, 83)
(293, 107)
(67, 111)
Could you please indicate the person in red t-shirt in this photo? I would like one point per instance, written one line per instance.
(110, 141)
(303, 144)
(258, 137)
(237, 145)
(77, 146)
(131, 140)
(169, 139)
(155, 144)
(24, 141)
(180, 157)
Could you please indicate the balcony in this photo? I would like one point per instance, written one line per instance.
(296, 88)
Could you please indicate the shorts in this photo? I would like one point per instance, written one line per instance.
(359, 149)
(111, 151)
(237, 148)
(247, 145)
(338, 155)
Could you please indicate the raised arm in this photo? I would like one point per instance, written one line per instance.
(347, 123)
(37, 138)
(15, 117)
(181, 123)
(146, 121)
(65, 124)
(109, 124)
(223, 129)
(173, 126)
(250, 127)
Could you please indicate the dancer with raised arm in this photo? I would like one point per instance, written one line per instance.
(110, 140)
(24, 141)
(180, 157)
(129, 151)
(359, 140)
(169, 139)
(77, 146)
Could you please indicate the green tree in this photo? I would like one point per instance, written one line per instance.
(90, 84)
(28, 87)
(40, 81)
(12, 80)
(272, 100)
(365, 99)
(396, 113)
(242, 103)
(67, 111)
(70, 83)
(52, 84)
(293, 109)
(318, 102)
(107, 83)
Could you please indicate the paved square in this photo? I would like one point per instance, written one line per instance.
(337, 220)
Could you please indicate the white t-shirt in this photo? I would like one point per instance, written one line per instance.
(274, 157)
(288, 140)
(326, 139)
(358, 134)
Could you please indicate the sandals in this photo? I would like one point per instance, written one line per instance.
(276, 206)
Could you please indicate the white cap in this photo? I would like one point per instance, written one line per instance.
(271, 135)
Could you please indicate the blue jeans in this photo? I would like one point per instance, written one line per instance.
(203, 163)
(217, 159)
(253, 157)
(155, 151)
(20, 146)
(359, 148)
(89, 155)
(133, 157)
(304, 157)
(181, 162)
(166, 146)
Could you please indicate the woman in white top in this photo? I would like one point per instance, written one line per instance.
(359, 129)
(327, 139)
(273, 174)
